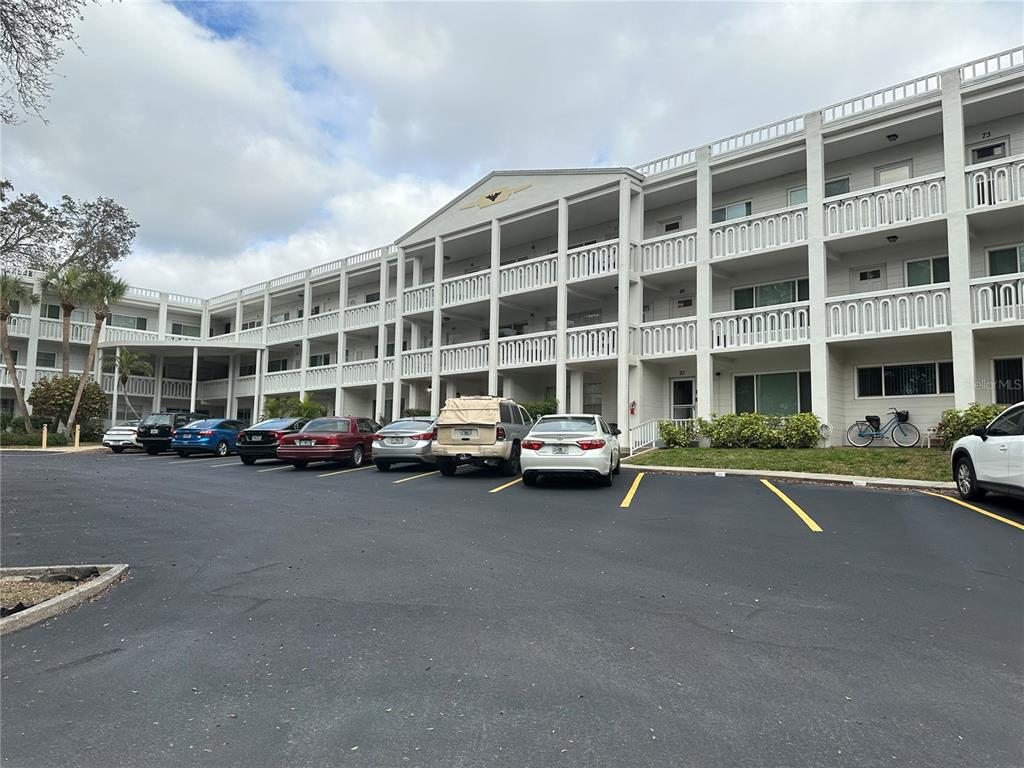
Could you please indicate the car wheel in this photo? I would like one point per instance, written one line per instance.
(183, 453)
(510, 466)
(249, 460)
(530, 478)
(446, 466)
(383, 466)
(117, 448)
(223, 449)
(606, 480)
(357, 456)
(966, 480)
(300, 464)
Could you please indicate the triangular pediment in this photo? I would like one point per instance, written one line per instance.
(505, 193)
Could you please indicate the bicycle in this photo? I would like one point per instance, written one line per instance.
(904, 434)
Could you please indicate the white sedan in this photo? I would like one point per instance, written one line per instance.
(991, 458)
(570, 444)
(124, 435)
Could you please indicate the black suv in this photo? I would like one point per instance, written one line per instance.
(155, 429)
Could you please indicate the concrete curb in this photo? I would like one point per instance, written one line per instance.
(109, 573)
(807, 477)
(61, 449)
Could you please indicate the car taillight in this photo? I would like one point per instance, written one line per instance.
(174, 432)
(589, 445)
(277, 435)
(332, 440)
(533, 445)
(433, 435)
(424, 436)
(241, 435)
(499, 433)
(376, 436)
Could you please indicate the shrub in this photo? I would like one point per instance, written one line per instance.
(679, 435)
(409, 413)
(54, 440)
(52, 397)
(758, 430)
(801, 430)
(538, 408)
(956, 423)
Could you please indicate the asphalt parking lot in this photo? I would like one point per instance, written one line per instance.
(336, 617)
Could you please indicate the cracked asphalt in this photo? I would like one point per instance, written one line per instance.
(281, 618)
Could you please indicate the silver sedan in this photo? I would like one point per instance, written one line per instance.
(571, 444)
(406, 441)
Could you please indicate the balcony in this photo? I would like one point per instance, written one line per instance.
(528, 275)
(389, 310)
(212, 389)
(144, 386)
(886, 206)
(324, 324)
(464, 358)
(19, 325)
(762, 232)
(362, 316)
(113, 333)
(998, 299)
(903, 310)
(667, 338)
(761, 327)
(592, 342)
(179, 389)
(466, 288)
(361, 372)
(54, 329)
(418, 299)
(672, 251)
(286, 331)
(593, 261)
(418, 363)
(245, 386)
(995, 182)
(251, 336)
(322, 377)
(282, 381)
(526, 350)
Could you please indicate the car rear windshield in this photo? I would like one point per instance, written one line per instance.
(274, 424)
(327, 425)
(158, 418)
(581, 424)
(404, 425)
(204, 424)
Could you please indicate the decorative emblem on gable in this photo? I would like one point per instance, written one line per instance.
(499, 195)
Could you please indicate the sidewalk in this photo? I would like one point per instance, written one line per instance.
(809, 477)
(55, 449)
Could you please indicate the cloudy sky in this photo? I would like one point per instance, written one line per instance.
(251, 140)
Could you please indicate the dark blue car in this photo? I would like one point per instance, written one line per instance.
(207, 436)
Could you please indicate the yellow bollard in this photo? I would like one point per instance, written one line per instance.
(78, 433)
(43, 443)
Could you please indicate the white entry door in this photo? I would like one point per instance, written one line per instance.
(682, 398)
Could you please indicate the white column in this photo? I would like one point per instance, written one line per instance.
(158, 383)
(562, 307)
(161, 318)
(257, 397)
(495, 310)
(35, 312)
(958, 241)
(575, 391)
(231, 407)
(435, 357)
(705, 376)
(817, 266)
(117, 373)
(192, 391)
(307, 305)
(266, 316)
(622, 394)
(382, 339)
(204, 322)
(339, 390)
(238, 318)
(396, 387)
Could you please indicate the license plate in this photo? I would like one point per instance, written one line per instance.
(305, 442)
(465, 434)
(395, 441)
(154, 431)
(559, 449)
(255, 438)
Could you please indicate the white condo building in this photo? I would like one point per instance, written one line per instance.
(865, 255)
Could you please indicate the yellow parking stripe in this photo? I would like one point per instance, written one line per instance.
(506, 485)
(628, 498)
(792, 505)
(416, 477)
(343, 471)
(976, 509)
(274, 469)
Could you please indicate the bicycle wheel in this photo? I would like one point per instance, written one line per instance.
(855, 435)
(906, 435)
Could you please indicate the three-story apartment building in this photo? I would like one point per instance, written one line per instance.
(864, 255)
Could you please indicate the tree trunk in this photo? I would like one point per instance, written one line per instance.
(65, 345)
(124, 388)
(12, 372)
(93, 346)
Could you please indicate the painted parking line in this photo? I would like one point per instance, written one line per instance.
(628, 498)
(229, 464)
(793, 506)
(416, 477)
(973, 508)
(274, 469)
(343, 471)
(506, 485)
(189, 461)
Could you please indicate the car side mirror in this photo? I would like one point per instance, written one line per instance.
(616, 431)
(981, 432)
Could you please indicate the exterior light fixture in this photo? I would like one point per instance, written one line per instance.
(892, 238)
(892, 137)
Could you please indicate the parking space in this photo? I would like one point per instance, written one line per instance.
(415, 615)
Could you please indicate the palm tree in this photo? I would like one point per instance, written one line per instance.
(101, 290)
(126, 365)
(12, 289)
(308, 408)
(68, 284)
(276, 408)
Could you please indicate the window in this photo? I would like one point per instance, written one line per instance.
(14, 356)
(527, 418)
(1008, 423)
(50, 311)
(505, 412)
(927, 271)
(247, 369)
(1006, 261)
(327, 425)
(251, 324)
(314, 310)
(129, 321)
(774, 394)
(837, 186)
(671, 226)
(797, 196)
(592, 398)
(371, 297)
(280, 317)
(731, 211)
(182, 329)
(46, 359)
(15, 307)
(990, 150)
(894, 173)
(1009, 374)
(767, 294)
(870, 274)
(278, 365)
(365, 426)
(315, 361)
(905, 380)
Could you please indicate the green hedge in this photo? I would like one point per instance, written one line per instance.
(745, 430)
(409, 413)
(54, 440)
(957, 423)
(538, 408)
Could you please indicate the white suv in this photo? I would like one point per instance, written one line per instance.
(991, 458)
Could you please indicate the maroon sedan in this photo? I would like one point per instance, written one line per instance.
(333, 438)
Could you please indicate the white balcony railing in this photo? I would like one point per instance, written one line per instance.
(887, 97)
(668, 163)
(245, 386)
(995, 182)
(362, 316)
(593, 260)
(19, 325)
(886, 206)
(463, 358)
(466, 288)
(361, 372)
(592, 342)
(895, 311)
(290, 329)
(764, 326)
(5, 378)
(389, 310)
(677, 336)
(54, 329)
(322, 324)
(389, 368)
(748, 139)
(528, 349)
(418, 299)
(282, 381)
(678, 249)
(251, 336)
(776, 229)
(212, 389)
(143, 386)
(321, 377)
(179, 389)
(113, 333)
(528, 275)
(998, 299)
(417, 363)
(992, 65)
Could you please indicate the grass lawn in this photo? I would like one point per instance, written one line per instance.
(902, 463)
